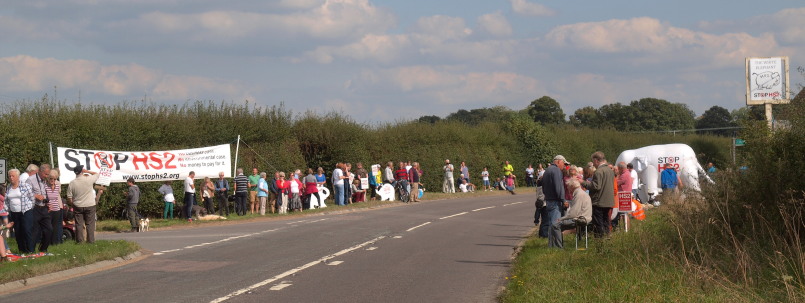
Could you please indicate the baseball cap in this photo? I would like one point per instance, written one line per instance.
(78, 169)
(560, 157)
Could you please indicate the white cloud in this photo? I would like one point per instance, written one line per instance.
(523, 7)
(29, 74)
(495, 24)
(440, 86)
(659, 42)
(442, 27)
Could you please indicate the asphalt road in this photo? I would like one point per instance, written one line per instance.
(454, 250)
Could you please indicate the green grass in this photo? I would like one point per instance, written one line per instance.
(123, 225)
(65, 256)
(638, 266)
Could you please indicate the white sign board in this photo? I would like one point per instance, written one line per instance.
(767, 81)
(2, 171)
(145, 166)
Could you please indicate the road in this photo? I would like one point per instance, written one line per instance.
(455, 250)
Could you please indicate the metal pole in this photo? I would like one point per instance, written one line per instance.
(50, 149)
(769, 117)
(237, 148)
(732, 149)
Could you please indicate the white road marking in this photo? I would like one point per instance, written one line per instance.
(294, 271)
(512, 203)
(450, 216)
(483, 208)
(214, 242)
(418, 226)
(296, 222)
(334, 263)
(280, 286)
(371, 248)
(397, 237)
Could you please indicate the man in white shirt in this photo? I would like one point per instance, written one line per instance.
(635, 182)
(449, 184)
(189, 195)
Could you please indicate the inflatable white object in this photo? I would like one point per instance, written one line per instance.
(649, 162)
(386, 192)
(323, 193)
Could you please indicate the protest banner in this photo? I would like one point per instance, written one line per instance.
(147, 166)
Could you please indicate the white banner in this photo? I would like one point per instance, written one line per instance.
(147, 166)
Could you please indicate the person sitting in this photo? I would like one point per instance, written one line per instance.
(500, 184)
(358, 194)
(580, 212)
(510, 183)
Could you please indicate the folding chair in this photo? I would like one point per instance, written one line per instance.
(581, 226)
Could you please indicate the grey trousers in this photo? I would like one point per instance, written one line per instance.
(555, 238)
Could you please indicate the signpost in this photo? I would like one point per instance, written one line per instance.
(767, 83)
(625, 207)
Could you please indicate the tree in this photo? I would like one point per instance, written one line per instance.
(480, 115)
(546, 110)
(651, 114)
(586, 116)
(429, 119)
(616, 115)
(716, 117)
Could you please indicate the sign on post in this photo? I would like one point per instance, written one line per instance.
(624, 201)
(767, 81)
(740, 142)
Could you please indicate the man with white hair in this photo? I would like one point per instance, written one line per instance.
(31, 170)
(554, 190)
(580, 212)
(42, 228)
(449, 184)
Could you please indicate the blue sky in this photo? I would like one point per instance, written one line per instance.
(390, 60)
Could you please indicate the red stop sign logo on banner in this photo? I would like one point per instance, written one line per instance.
(624, 201)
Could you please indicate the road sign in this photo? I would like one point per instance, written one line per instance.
(2, 171)
(740, 142)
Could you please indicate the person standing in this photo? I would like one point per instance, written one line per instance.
(635, 181)
(449, 184)
(222, 194)
(414, 175)
(312, 189)
(508, 169)
(529, 176)
(602, 189)
(553, 188)
(55, 206)
(295, 193)
(388, 173)
(262, 193)
(167, 195)
(347, 183)
(283, 187)
(241, 191)
(20, 204)
(132, 199)
(465, 170)
(485, 177)
(81, 195)
(189, 195)
(338, 184)
(42, 227)
(207, 192)
(254, 179)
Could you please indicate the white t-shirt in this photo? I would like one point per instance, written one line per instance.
(635, 183)
(485, 174)
(295, 186)
(337, 174)
(14, 199)
(188, 185)
(463, 187)
(24, 177)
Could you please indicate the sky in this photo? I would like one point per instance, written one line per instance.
(393, 60)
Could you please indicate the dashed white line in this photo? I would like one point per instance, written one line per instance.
(483, 208)
(512, 203)
(450, 216)
(214, 242)
(371, 248)
(294, 271)
(334, 263)
(418, 226)
(280, 286)
(397, 237)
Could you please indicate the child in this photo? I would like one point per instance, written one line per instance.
(358, 194)
(510, 183)
(167, 191)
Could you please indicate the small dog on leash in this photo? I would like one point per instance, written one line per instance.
(144, 225)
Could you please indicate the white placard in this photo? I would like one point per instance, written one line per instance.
(147, 166)
(767, 81)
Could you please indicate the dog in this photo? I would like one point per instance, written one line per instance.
(144, 225)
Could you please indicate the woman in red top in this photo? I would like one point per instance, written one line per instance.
(283, 186)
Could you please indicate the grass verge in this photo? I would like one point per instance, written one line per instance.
(123, 225)
(638, 266)
(65, 256)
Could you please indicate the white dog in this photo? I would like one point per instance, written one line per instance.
(144, 225)
(211, 218)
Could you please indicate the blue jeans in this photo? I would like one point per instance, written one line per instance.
(23, 230)
(339, 194)
(550, 214)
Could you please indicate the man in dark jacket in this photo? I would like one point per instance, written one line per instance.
(602, 193)
(554, 190)
(132, 199)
